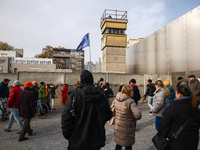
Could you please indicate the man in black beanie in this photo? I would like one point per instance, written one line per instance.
(85, 115)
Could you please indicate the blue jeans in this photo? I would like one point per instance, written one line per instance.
(118, 147)
(4, 102)
(14, 114)
(150, 102)
(157, 122)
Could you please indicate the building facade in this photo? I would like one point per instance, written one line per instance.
(4, 64)
(33, 64)
(13, 61)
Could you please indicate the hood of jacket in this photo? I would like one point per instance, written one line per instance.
(121, 97)
(3, 84)
(90, 93)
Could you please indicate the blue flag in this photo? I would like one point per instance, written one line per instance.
(84, 43)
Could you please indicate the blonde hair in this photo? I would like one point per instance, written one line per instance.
(160, 83)
(104, 83)
(78, 84)
(36, 83)
(127, 89)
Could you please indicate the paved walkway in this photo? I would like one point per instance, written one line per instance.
(47, 134)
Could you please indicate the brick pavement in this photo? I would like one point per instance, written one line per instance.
(47, 134)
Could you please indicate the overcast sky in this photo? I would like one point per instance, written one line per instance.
(34, 24)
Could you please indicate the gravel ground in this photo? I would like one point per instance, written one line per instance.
(47, 133)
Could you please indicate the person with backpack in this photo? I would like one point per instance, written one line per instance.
(150, 93)
(84, 116)
(136, 91)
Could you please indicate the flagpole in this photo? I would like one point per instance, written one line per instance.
(90, 54)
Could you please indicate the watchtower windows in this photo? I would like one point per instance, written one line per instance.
(114, 31)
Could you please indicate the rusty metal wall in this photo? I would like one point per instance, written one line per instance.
(173, 48)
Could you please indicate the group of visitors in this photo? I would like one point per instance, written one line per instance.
(87, 111)
(22, 103)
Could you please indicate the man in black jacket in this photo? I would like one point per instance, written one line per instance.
(85, 115)
(27, 108)
(150, 92)
(4, 92)
(136, 91)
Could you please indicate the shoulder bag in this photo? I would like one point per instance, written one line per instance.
(112, 120)
(162, 143)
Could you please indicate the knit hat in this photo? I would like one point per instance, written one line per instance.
(42, 83)
(132, 81)
(166, 83)
(86, 77)
(101, 79)
(16, 83)
(191, 76)
(28, 84)
(179, 78)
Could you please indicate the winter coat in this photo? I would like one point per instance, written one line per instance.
(160, 102)
(4, 90)
(86, 131)
(172, 94)
(136, 94)
(53, 90)
(27, 103)
(14, 97)
(41, 94)
(35, 90)
(195, 87)
(64, 94)
(173, 117)
(150, 90)
(126, 114)
(107, 92)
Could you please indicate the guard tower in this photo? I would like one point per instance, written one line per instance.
(114, 40)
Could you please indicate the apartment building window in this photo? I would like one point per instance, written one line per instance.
(2, 68)
(2, 61)
(3, 54)
(42, 62)
(48, 62)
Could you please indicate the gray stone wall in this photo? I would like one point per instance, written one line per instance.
(115, 79)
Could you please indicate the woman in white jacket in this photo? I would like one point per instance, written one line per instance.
(160, 102)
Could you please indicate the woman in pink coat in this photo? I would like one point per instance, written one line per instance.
(64, 93)
(126, 114)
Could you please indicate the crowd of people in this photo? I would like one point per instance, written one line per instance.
(22, 103)
(87, 109)
(84, 128)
